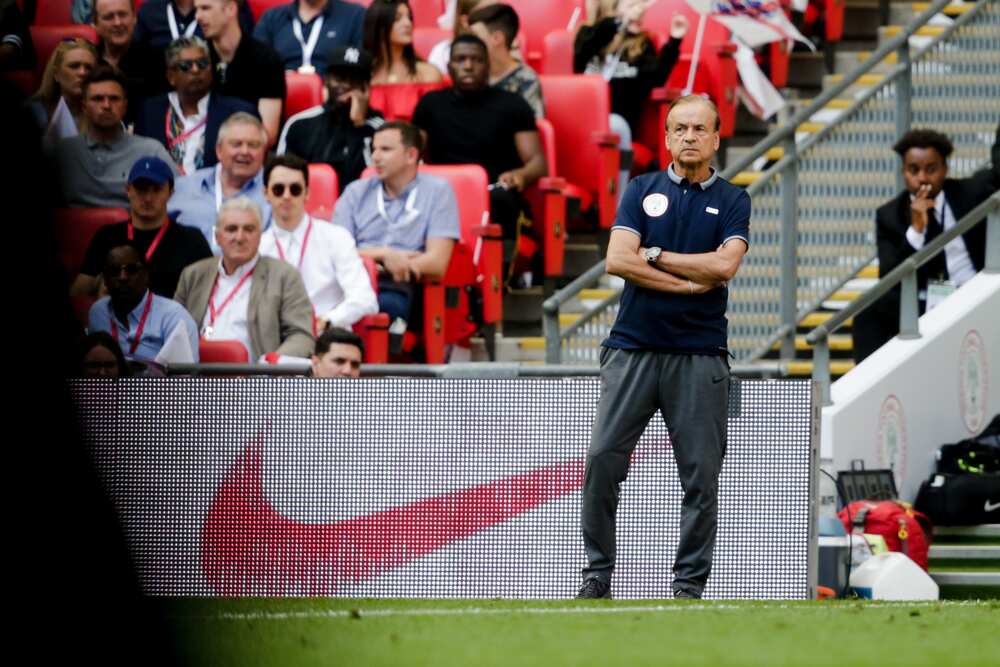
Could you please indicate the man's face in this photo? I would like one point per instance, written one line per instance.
(125, 275)
(339, 87)
(191, 74)
(74, 68)
(238, 234)
(114, 21)
(469, 67)
(924, 166)
(241, 152)
(104, 104)
(691, 135)
(148, 200)
(213, 16)
(390, 156)
(287, 192)
(340, 361)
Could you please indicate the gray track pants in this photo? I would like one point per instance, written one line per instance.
(692, 392)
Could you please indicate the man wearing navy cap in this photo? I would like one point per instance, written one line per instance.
(678, 238)
(340, 132)
(167, 246)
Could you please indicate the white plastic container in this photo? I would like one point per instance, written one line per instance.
(893, 576)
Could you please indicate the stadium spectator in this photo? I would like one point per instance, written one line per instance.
(58, 104)
(147, 326)
(167, 247)
(340, 132)
(259, 301)
(473, 123)
(244, 67)
(101, 357)
(497, 26)
(82, 11)
(388, 30)
(162, 21)
(678, 237)
(440, 54)
(338, 354)
(187, 119)
(240, 149)
(93, 166)
(404, 220)
(114, 21)
(931, 204)
(16, 48)
(306, 32)
(325, 255)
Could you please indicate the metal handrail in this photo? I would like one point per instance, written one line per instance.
(906, 273)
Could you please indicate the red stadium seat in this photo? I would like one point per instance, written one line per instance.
(53, 12)
(258, 7)
(222, 352)
(23, 79)
(303, 91)
(374, 329)
(834, 20)
(397, 101)
(588, 151)
(548, 200)
(47, 37)
(323, 191)
(426, 38)
(75, 227)
(557, 53)
(538, 19)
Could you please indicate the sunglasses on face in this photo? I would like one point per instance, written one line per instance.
(295, 189)
(188, 65)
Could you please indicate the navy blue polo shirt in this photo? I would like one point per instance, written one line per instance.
(668, 212)
(342, 26)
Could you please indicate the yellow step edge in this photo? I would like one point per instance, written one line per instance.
(863, 80)
(890, 59)
(838, 342)
(745, 178)
(948, 10)
(566, 319)
(870, 271)
(596, 294)
(775, 154)
(923, 31)
(804, 368)
(532, 343)
(810, 127)
(838, 103)
(845, 295)
(813, 320)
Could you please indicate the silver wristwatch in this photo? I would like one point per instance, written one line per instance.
(652, 254)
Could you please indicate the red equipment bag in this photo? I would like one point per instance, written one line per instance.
(903, 528)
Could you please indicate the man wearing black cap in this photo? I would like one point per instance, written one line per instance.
(167, 246)
(340, 132)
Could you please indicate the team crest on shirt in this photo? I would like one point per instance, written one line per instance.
(655, 204)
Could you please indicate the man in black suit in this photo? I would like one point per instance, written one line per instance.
(931, 204)
(187, 120)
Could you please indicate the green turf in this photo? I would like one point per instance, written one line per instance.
(291, 633)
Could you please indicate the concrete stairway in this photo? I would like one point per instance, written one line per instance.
(965, 561)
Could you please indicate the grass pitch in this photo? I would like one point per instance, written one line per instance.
(293, 632)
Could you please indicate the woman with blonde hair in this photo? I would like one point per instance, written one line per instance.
(58, 104)
(388, 37)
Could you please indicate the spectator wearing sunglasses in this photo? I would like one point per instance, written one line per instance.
(146, 326)
(167, 247)
(187, 119)
(325, 255)
(338, 354)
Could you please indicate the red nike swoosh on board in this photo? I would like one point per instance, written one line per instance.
(248, 547)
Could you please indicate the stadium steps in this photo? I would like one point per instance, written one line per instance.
(965, 561)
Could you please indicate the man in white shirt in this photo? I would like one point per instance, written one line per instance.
(258, 301)
(324, 254)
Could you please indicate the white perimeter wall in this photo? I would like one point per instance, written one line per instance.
(911, 396)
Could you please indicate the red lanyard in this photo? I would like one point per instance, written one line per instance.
(213, 312)
(173, 141)
(305, 244)
(156, 241)
(138, 332)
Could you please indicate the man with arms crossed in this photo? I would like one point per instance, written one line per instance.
(679, 236)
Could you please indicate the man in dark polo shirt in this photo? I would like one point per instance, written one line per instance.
(474, 123)
(168, 246)
(305, 32)
(162, 21)
(244, 67)
(679, 236)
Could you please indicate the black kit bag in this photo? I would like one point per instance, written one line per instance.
(977, 455)
(960, 500)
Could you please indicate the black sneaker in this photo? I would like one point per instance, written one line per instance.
(594, 589)
(682, 594)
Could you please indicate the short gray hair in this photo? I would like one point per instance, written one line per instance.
(241, 203)
(173, 53)
(240, 118)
